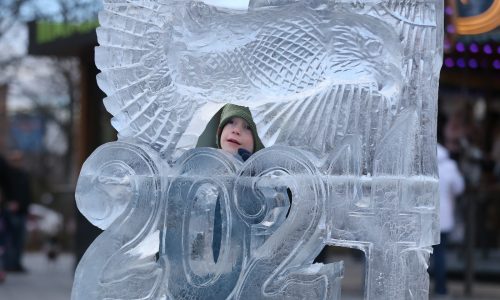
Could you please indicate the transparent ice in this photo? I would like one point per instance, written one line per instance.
(344, 94)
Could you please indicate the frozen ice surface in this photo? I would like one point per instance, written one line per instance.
(344, 94)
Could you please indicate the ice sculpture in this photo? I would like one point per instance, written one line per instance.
(344, 96)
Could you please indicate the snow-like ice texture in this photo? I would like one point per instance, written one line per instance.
(344, 94)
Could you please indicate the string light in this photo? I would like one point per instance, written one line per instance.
(450, 28)
(461, 63)
(449, 10)
(496, 64)
(487, 49)
(473, 48)
(478, 52)
(449, 62)
(473, 63)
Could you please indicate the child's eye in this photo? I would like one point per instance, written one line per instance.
(231, 121)
(248, 127)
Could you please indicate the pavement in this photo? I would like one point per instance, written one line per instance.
(352, 285)
(43, 280)
(53, 280)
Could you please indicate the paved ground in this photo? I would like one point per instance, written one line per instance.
(52, 281)
(353, 281)
(43, 281)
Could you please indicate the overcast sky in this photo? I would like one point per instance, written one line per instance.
(14, 42)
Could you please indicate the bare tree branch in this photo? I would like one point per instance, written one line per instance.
(56, 90)
(10, 13)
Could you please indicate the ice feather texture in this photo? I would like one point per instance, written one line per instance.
(343, 93)
(160, 65)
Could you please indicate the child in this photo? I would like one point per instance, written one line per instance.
(233, 130)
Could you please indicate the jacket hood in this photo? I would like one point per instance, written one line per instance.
(210, 137)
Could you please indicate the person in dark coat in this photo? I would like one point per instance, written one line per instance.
(18, 201)
(4, 185)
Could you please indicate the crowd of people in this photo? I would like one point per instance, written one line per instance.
(15, 197)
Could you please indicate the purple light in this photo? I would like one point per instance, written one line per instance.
(447, 45)
(450, 28)
(461, 63)
(449, 63)
(473, 48)
(461, 48)
(498, 50)
(449, 10)
(487, 49)
(473, 63)
(496, 64)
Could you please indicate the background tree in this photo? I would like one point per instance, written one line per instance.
(47, 88)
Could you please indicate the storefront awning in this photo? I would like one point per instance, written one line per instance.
(61, 39)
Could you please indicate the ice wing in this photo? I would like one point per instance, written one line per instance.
(134, 37)
(321, 122)
(359, 95)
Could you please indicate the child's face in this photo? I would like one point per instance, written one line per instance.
(236, 134)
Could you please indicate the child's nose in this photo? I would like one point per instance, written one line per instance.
(236, 129)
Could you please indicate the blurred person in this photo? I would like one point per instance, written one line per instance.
(16, 210)
(2, 244)
(451, 184)
(495, 153)
(49, 224)
(3, 190)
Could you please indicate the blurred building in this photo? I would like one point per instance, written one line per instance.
(92, 126)
(77, 40)
(470, 100)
